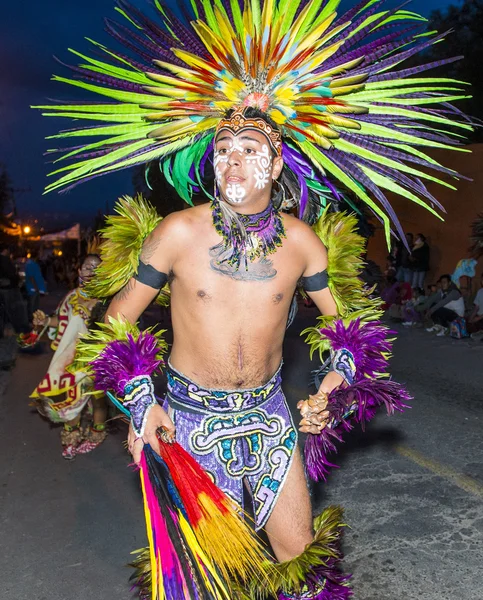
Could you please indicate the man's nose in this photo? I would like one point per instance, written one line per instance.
(234, 158)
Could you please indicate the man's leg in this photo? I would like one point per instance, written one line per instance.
(308, 560)
(289, 527)
(443, 316)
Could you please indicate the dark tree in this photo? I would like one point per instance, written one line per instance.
(149, 181)
(7, 201)
(465, 20)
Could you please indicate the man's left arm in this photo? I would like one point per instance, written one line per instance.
(315, 283)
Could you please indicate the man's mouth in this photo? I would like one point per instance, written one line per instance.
(234, 179)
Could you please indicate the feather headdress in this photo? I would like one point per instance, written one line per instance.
(352, 116)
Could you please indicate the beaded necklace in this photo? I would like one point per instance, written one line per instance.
(264, 234)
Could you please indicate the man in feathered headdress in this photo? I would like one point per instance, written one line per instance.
(233, 267)
(291, 105)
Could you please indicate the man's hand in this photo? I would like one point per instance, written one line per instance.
(157, 417)
(313, 411)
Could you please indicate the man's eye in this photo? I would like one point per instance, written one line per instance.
(222, 150)
(249, 150)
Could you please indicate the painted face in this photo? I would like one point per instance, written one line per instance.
(243, 165)
(88, 268)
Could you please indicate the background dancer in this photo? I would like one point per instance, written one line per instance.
(62, 395)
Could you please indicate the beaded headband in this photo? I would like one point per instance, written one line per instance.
(238, 121)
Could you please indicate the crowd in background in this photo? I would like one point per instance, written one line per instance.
(27, 275)
(446, 307)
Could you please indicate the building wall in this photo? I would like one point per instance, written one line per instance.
(449, 240)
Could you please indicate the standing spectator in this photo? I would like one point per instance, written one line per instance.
(14, 308)
(34, 284)
(419, 261)
(449, 307)
(404, 272)
(475, 321)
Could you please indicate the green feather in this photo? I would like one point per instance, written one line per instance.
(345, 247)
(326, 164)
(122, 242)
(91, 345)
(291, 576)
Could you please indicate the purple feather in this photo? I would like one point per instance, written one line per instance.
(367, 342)
(357, 403)
(332, 591)
(120, 361)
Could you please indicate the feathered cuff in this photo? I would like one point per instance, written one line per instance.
(139, 398)
(360, 354)
(315, 573)
(342, 363)
(121, 359)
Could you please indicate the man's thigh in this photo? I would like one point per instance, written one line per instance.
(289, 527)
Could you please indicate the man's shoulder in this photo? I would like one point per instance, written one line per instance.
(300, 232)
(183, 222)
(296, 227)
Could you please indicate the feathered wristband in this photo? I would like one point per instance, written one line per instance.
(360, 352)
(125, 367)
(121, 360)
(139, 399)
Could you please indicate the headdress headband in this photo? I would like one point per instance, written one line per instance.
(353, 115)
(237, 121)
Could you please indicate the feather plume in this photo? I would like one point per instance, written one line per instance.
(122, 241)
(320, 76)
(316, 568)
(337, 231)
(143, 352)
(357, 403)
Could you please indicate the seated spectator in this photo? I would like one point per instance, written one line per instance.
(410, 312)
(475, 320)
(394, 295)
(448, 306)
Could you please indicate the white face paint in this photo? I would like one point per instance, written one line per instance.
(254, 166)
(263, 161)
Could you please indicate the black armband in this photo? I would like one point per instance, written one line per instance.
(316, 282)
(148, 275)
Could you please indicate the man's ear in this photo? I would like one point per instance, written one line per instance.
(277, 167)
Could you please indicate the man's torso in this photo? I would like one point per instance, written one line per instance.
(228, 333)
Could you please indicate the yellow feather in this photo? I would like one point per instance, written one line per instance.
(315, 35)
(193, 60)
(347, 89)
(350, 80)
(176, 69)
(169, 92)
(341, 121)
(351, 64)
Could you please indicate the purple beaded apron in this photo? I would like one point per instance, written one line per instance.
(236, 436)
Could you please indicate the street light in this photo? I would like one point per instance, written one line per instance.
(26, 229)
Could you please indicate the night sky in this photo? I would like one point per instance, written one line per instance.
(31, 34)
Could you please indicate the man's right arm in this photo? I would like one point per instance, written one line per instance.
(158, 252)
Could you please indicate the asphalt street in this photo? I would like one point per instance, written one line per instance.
(411, 485)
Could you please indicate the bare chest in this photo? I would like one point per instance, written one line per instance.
(205, 276)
